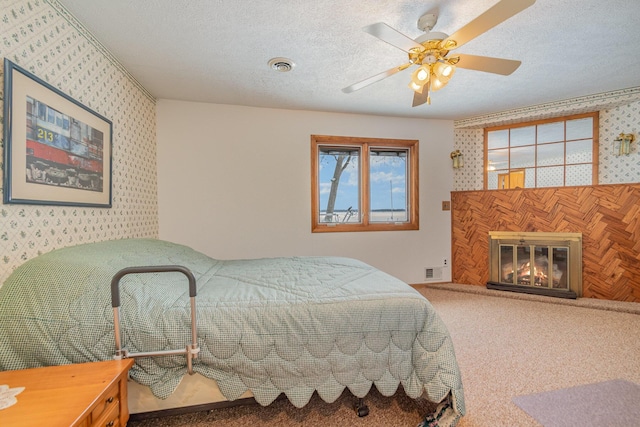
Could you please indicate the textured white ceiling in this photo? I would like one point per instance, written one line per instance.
(217, 51)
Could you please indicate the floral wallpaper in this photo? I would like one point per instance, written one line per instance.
(470, 176)
(613, 168)
(619, 113)
(42, 37)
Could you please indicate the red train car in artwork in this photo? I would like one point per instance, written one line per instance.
(62, 150)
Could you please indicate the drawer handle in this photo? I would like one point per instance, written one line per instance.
(110, 399)
(110, 424)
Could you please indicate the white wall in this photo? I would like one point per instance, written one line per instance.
(235, 182)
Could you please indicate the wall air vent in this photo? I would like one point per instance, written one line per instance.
(433, 273)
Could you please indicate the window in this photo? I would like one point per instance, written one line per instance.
(363, 184)
(551, 153)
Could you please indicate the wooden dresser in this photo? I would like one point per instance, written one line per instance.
(83, 395)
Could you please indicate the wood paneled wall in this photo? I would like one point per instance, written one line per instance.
(608, 216)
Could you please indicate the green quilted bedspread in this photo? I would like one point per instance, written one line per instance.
(280, 325)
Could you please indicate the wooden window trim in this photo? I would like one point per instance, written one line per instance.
(365, 144)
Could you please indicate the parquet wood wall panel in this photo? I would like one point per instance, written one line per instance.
(608, 216)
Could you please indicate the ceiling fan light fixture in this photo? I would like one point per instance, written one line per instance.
(429, 51)
(420, 78)
(421, 75)
(417, 87)
(437, 84)
(444, 71)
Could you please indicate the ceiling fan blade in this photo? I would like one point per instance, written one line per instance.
(495, 15)
(488, 64)
(421, 98)
(392, 36)
(376, 78)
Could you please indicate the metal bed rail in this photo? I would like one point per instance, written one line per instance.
(191, 351)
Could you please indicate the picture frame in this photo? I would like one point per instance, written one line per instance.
(57, 151)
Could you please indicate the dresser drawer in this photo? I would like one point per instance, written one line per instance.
(109, 400)
(109, 418)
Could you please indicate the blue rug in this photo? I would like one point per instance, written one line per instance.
(614, 403)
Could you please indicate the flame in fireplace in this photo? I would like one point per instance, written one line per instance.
(540, 278)
(540, 273)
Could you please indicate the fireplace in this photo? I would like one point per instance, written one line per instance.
(536, 263)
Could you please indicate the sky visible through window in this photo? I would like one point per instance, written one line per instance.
(387, 183)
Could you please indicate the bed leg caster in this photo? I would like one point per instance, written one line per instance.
(361, 409)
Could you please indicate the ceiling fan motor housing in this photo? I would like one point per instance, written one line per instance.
(431, 50)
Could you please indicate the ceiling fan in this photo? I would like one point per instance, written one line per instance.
(430, 51)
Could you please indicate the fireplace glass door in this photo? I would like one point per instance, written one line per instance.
(534, 265)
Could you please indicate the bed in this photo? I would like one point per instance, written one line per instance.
(265, 327)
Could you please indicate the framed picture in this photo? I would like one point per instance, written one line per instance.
(57, 151)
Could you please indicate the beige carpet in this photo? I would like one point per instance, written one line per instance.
(507, 345)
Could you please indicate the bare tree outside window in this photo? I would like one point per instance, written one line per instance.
(341, 162)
